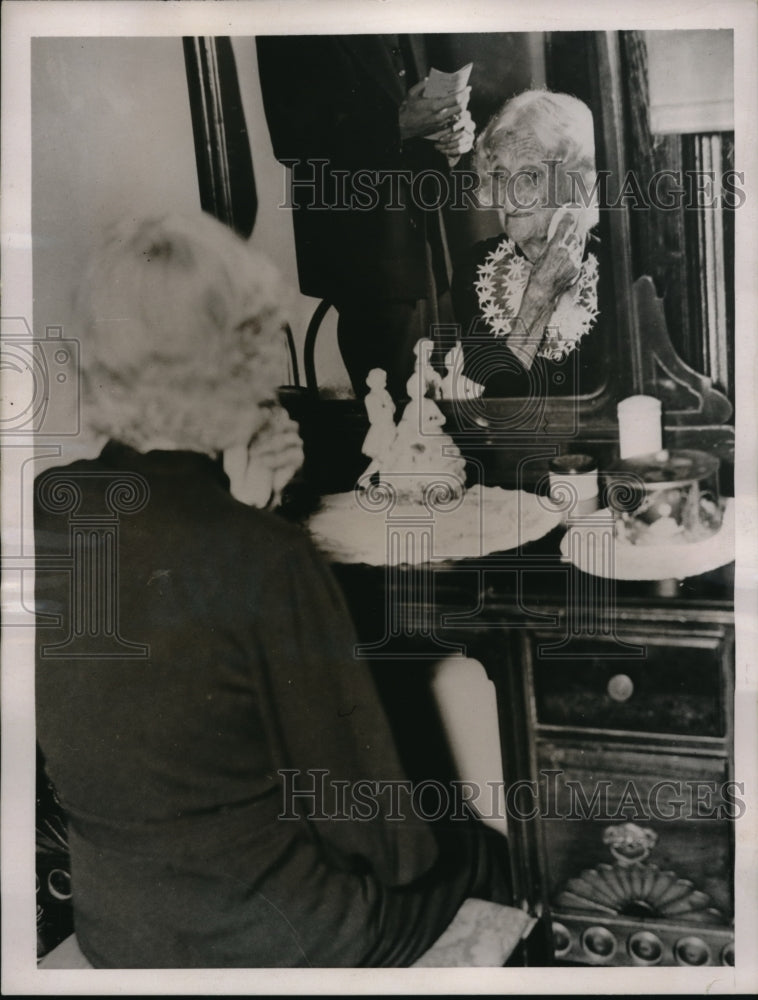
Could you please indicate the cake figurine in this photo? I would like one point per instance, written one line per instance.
(416, 452)
(453, 366)
(455, 385)
(411, 505)
(425, 380)
(380, 409)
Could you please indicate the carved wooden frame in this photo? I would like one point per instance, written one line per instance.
(222, 147)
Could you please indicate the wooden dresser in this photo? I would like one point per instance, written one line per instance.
(615, 707)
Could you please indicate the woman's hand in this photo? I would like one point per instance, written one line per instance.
(555, 270)
(559, 265)
(259, 471)
(419, 115)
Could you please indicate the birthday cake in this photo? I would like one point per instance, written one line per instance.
(411, 504)
(415, 455)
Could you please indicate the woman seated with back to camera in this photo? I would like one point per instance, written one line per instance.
(525, 297)
(185, 850)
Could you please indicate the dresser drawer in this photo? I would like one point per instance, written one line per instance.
(678, 686)
(683, 802)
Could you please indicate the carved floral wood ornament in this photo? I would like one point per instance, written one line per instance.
(629, 844)
(632, 888)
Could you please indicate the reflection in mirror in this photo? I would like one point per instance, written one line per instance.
(664, 322)
(665, 257)
(529, 295)
(507, 65)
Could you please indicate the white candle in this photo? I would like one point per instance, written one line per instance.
(639, 426)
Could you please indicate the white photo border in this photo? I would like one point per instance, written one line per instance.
(22, 21)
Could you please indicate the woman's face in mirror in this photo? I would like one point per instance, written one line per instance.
(526, 195)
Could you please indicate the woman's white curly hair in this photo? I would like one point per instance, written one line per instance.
(560, 125)
(181, 334)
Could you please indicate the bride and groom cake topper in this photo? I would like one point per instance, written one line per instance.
(416, 445)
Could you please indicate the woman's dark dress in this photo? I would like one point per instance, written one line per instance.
(167, 763)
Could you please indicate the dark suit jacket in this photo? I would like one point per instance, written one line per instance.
(336, 98)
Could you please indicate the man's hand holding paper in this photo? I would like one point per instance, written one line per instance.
(457, 138)
(440, 100)
(421, 115)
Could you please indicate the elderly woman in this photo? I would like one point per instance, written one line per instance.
(198, 704)
(530, 293)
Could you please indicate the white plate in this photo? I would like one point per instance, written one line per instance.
(354, 527)
(591, 546)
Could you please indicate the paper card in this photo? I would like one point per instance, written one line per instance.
(439, 84)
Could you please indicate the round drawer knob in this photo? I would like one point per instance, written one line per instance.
(561, 939)
(692, 951)
(645, 948)
(599, 942)
(620, 687)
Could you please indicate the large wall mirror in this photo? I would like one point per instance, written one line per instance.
(666, 285)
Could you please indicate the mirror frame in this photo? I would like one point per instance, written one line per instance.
(654, 366)
(225, 177)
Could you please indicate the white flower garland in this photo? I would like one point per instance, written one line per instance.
(500, 288)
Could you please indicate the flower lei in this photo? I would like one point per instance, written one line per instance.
(500, 285)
